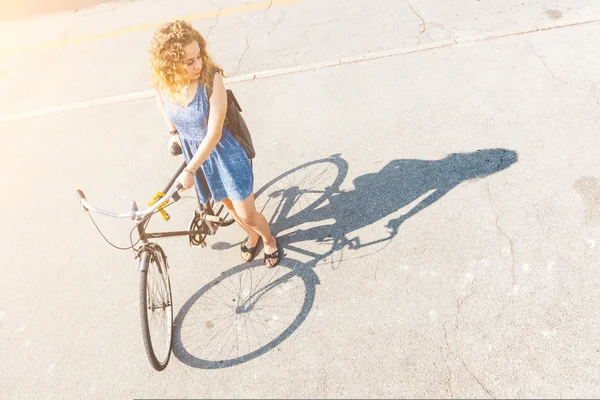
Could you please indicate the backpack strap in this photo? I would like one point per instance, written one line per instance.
(209, 87)
(230, 97)
(209, 91)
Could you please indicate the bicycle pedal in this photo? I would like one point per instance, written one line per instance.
(197, 243)
(214, 218)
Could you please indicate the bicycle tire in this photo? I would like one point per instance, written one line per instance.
(153, 261)
(218, 209)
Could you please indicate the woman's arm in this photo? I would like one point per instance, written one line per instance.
(216, 117)
(161, 107)
(172, 130)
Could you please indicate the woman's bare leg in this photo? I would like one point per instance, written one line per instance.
(253, 236)
(249, 216)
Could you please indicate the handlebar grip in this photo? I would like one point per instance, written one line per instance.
(80, 195)
(176, 196)
(175, 149)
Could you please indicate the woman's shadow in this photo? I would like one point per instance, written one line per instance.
(395, 186)
(249, 310)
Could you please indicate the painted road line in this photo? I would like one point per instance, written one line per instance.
(146, 26)
(291, 70)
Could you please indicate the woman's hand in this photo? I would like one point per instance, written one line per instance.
(186, 178)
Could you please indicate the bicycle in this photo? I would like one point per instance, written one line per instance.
(155, 300)
(285, 200)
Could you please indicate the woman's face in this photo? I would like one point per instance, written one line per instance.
(192, 61)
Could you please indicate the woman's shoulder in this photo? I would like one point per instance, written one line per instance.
(162, 97)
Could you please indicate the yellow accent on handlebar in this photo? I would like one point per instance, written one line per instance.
(156, 198)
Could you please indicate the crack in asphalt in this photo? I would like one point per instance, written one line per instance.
(475, 377)
(459, 304)
(458, 313)
(449, 380)
(502, 312)
(546, 65)
(216, 21)
(272, 26)
(423, 24)
(242, 56)
(595, 93)
(510, 240)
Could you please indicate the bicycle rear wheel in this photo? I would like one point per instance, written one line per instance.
(156, 306)
(220, 211)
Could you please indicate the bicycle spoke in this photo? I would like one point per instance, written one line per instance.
(225, 338)
(255, 332)
(217, 334)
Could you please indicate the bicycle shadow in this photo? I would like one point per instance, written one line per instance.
(211, 331)
(249, 310)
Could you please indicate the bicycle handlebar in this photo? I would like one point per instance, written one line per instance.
(134, 213)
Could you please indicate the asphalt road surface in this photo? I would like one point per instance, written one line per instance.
(11, 10)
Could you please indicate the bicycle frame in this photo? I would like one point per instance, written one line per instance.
(205, 209)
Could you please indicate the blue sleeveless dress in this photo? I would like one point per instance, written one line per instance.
(227, 169)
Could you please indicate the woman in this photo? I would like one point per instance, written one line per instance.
(180, 70)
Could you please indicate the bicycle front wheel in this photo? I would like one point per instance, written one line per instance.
(156, 307)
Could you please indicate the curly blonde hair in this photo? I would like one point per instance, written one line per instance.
(167, 52)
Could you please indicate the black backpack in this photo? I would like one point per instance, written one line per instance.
(234, 122)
